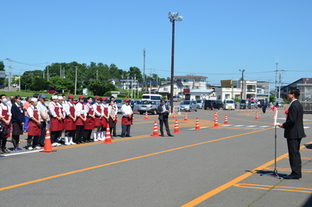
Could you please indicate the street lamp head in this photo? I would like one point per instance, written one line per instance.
(173, 16)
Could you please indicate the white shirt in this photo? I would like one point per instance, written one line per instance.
(52, 107)
(126, 109)
(66, 107)
(79, 110)
(31, 112)
(97, 113)
(2, 106)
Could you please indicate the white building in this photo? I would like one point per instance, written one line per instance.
(192, 82)
(164, 89)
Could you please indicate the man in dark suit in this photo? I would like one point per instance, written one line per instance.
(294, 132)
(163, 111)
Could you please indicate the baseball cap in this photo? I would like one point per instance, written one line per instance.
(42, 96)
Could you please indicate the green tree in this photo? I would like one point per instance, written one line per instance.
(100, 88)
(62, 84)
(26, 81)
(135, 72)
(39, 84)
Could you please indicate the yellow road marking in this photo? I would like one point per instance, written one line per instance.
(225, 186)
(126, 160)
(287, 169)
(271, 187)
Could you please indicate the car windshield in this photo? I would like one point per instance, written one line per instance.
(185, 102)
(243, 101)
(229, 101)
(198, 101)
(146, 102)
(118, 100)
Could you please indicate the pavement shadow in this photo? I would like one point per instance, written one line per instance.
(267, 173)
(308, 203)
(308, 146)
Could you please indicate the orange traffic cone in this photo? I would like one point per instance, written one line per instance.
(197, 127)
(108, 139)
(176, 127)
(174, 115)
(146, 115)
(155, 131)
(185, 116)
(257, 115)
(238, 111)
(47, 143)
(226, 119)
(247, 112)
(216, 123)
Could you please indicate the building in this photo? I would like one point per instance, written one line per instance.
(164, 89)
(192, 82)
(285, 89)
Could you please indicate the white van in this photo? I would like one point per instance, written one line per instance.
(151, 97)
(229, 104)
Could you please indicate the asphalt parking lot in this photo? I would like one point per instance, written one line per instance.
(214, 166)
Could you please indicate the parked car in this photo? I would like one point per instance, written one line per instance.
(229, 104)
(254, 104)
(176, 98)
(167, 102)
(136, 104)
(213, 104)
(200, 103)
(52, 91)
(149, 106)
(119, 103)
(245, 104)
(188, 105)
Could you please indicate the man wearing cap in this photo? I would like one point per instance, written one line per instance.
(80, 120)
(56, 123)
(97, 107)
(126, 120)
(89, 123)
(70, 119)
(34, 125)
(44, 114)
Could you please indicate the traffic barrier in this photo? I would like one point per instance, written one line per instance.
(257, 115)
(47, 143)
(176, 127)
(226, 121)
(197, 127)
(216, 123)
(155, 130)
(146, 115)
(108, 138)
(185, 116)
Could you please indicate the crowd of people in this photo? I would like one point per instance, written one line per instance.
(81, 121)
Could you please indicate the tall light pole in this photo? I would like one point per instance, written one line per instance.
(76, 67)
(242, 93)
(173, 16)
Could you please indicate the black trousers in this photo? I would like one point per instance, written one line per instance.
(125, 130)
(79, 133)
(55, 135)
(3, 142)
(43, 126)
(87, 135)
(161, 123)
(32, 141)
(15, 140)
(294, 156)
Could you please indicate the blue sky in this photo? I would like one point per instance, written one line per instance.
(215, 38)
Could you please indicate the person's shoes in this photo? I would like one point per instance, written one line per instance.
(128, 136)
(122, 136)
(37, 148)
(19, 149)
(170, 135)
(30, 148)
(161, 135)
(294, 177)
(1, 152)
(15, 150)
(5, 150)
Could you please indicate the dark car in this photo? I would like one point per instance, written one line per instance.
(213, 104)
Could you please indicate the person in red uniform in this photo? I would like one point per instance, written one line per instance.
(80, 120)
(34, 123)
(56, 121)
(97, 107)
(89, 123)
(5, 118)
(69, 121)
(105, 118)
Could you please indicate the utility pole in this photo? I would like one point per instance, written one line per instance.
(76, 80)
(276, 71)
(48, 74)
(144, 65)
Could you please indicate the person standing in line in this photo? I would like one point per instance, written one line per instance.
(80, 120)
(17, 121)
(10, 102)
(5, 118)
(126, 120)
(112, 114)
(56, 123)
(26, 105)
(294, 132)
(114, 105)
(34, 125)
(44, 114)
(61, 102)
(163, 114)
(105, 117)
(97, 107)
(89, 123)
(69, 121)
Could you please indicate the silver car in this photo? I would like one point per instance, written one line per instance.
(119, 104)
(149, 106)
(188, 105)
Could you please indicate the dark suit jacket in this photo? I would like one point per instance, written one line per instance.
(294, 121)
(162, 116)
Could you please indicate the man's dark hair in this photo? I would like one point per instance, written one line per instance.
(36, 95)
(295, 91)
